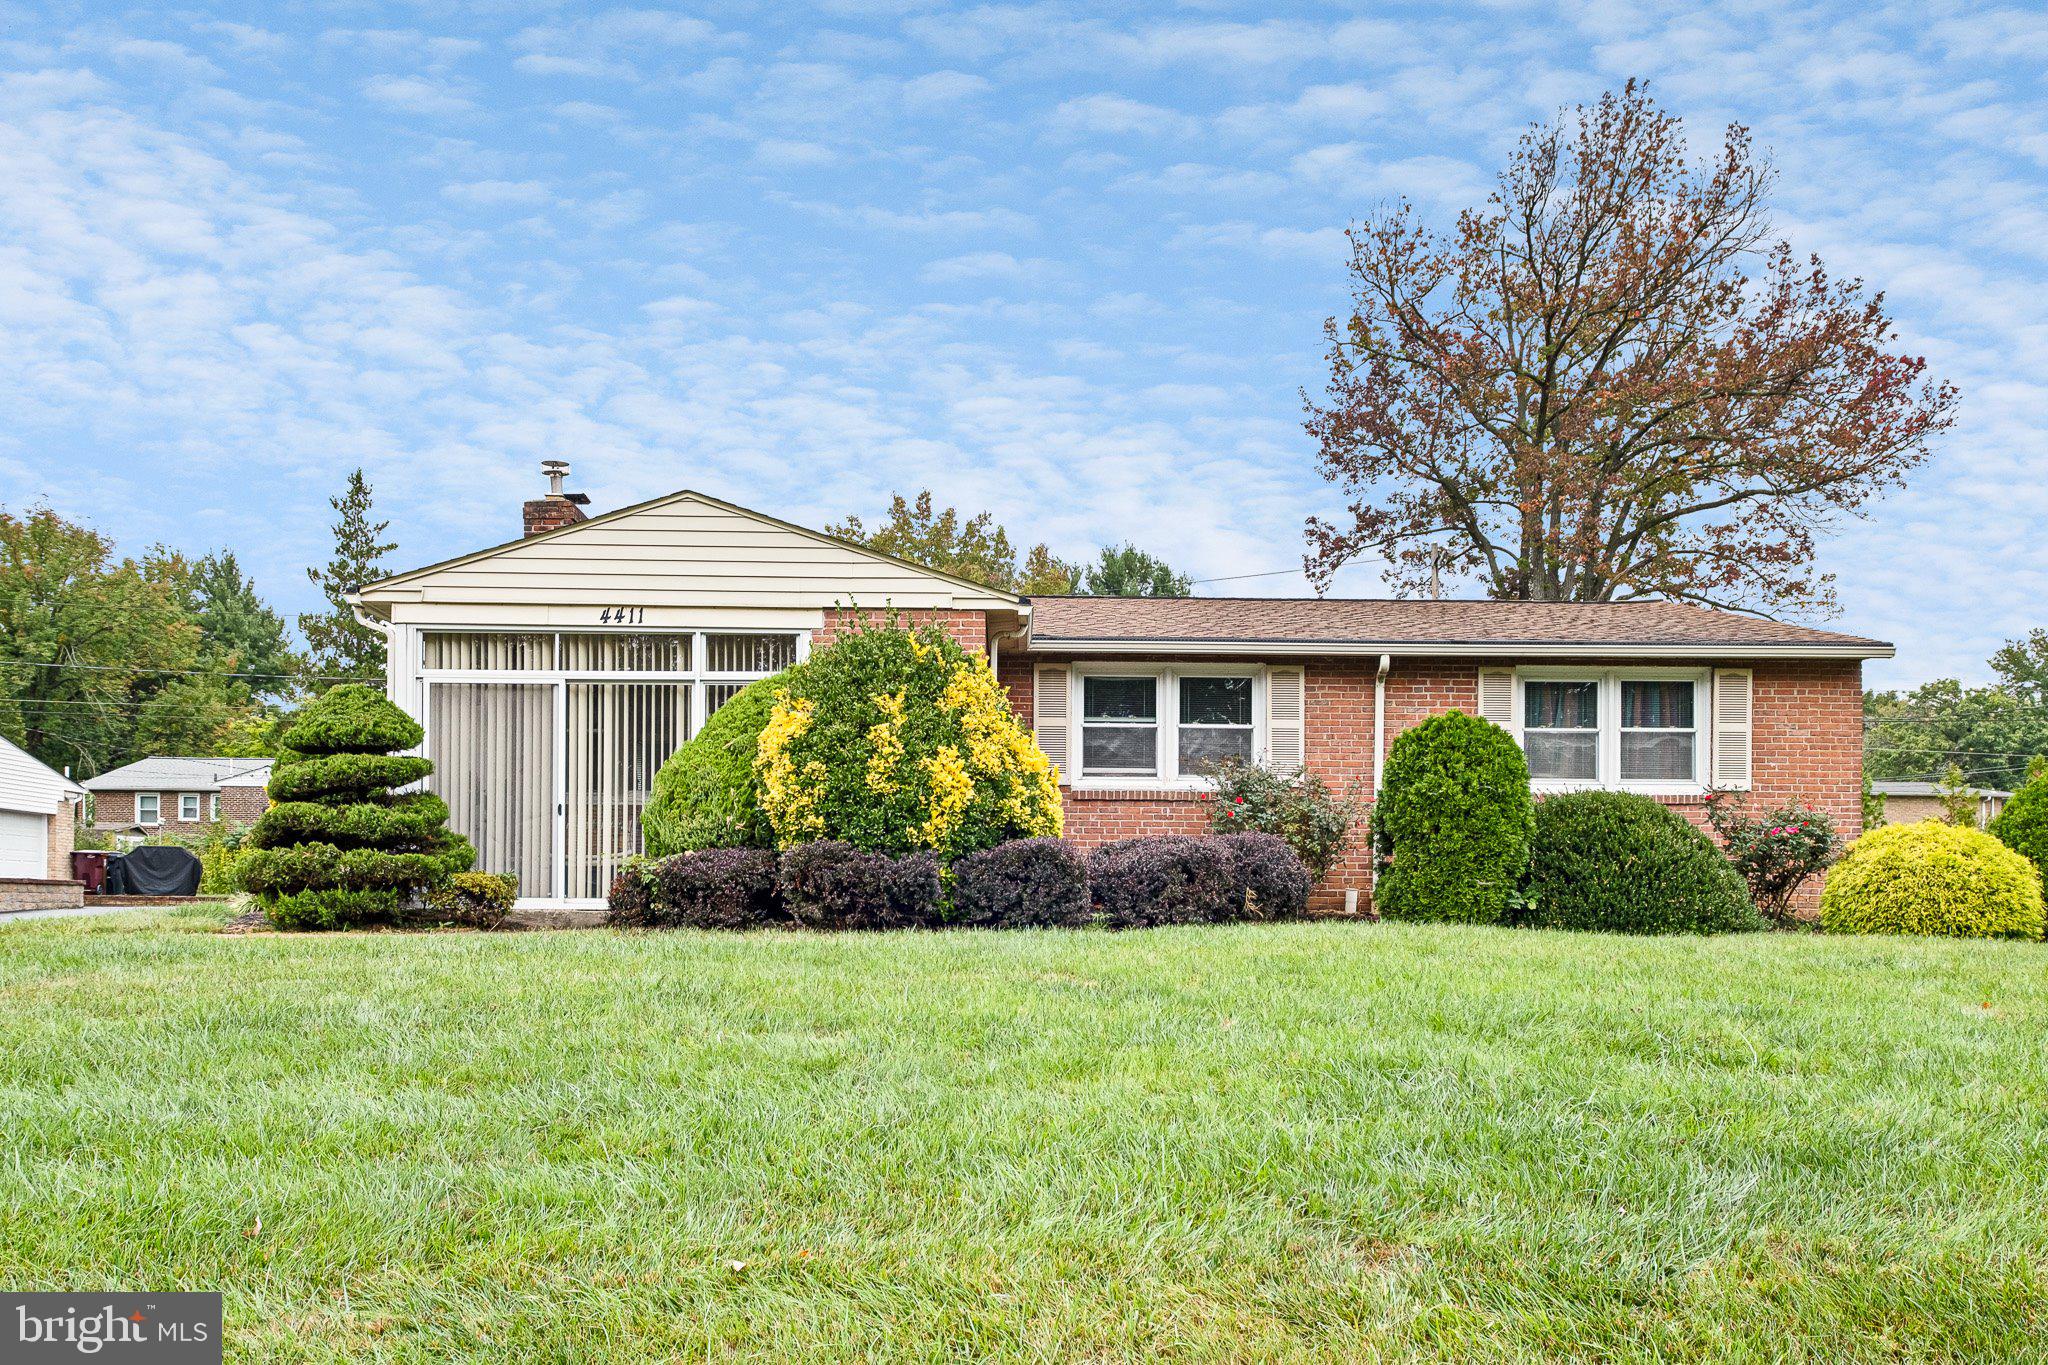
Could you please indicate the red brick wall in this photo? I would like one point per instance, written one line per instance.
(1806, 745)
(238, 805)
(969, 628)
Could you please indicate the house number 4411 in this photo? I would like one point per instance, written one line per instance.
(622, 616)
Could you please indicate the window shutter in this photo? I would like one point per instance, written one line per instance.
(1497, 698)
(1286, 720)
(1052, 705)
(1731, 727)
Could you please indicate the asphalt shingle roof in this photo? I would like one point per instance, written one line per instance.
(182, 774)
(1374, 621)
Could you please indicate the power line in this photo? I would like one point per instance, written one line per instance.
(171, 672)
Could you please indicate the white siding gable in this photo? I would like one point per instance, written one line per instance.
(27, 785)
(683, 551)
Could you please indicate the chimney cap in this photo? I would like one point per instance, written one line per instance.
(557, 470)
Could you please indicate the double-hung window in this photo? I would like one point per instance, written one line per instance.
(148, 810)
(1614, 728)
(1166, 726)
(188, 806)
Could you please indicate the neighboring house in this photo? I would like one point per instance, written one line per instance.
(38, 806)
(179, 795)
(554, 673)
(1907, 802)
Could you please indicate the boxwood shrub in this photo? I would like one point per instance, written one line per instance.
(475, 900)
(1162, 879)
(1270, 880)
(1620, 862)
(2023, 825)
(1025, 883)
(1932, 878)
(1452, 823)
(708, 794)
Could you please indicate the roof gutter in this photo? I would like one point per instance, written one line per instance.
(1466, 649)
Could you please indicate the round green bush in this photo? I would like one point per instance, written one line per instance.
(1932, 878)
(2023, 825)
(1623, 863)
(896, 741)
(708, 795)
(1452, 822)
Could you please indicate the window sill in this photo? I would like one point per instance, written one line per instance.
(1670, 793)
(1131, 792)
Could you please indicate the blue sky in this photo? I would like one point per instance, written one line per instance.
(1067, 262)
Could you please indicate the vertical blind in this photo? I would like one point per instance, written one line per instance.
(619, 735)
(494, 764)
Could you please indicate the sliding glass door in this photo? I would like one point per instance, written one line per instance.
(619, 734)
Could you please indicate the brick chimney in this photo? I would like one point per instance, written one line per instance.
(557, 509)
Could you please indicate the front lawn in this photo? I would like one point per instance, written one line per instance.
(1329, 1141)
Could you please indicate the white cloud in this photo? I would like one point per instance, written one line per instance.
(418, 95)
(1116, 115)
(980, 265)
(499, 193)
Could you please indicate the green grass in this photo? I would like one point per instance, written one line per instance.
(1321, 1141)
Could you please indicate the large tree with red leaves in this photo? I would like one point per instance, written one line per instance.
(1608, 383)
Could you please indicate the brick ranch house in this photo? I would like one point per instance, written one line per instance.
(170, 795)
(555, 673)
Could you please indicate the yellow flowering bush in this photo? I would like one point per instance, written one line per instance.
(894, 741)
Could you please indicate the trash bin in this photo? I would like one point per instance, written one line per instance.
(89, 865)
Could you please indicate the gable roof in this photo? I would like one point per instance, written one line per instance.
(1395, 626)
(182, 774)
(685, 549)
(29, 784)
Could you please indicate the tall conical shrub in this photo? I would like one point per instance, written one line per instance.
(338, 848)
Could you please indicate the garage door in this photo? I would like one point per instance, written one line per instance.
(22, 844)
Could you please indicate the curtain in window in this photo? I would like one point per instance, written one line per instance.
(1561, 706)
(1656, 705)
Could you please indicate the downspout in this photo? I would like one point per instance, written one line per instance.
(1379, 760)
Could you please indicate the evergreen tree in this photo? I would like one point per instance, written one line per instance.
(338, 846)
(341, 646)
(1127, 571)
(239, 632)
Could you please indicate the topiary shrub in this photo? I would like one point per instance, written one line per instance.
(708, 794)
(1022, 884)
(1452, 822)
(2023, 825)
(1270, 881)
(894, 741)
(1622, 863)
(833, 885)
(1932, 878)
(716, 888)
(1164, 879)
(339, 848)
(1299, 807)
(474, 900)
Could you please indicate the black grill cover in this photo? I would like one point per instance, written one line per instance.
(154, 870)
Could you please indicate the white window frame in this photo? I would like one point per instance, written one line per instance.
(1167, 679)
(193, 798)
(213, 807)
(156, 808)
(1609, 717)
